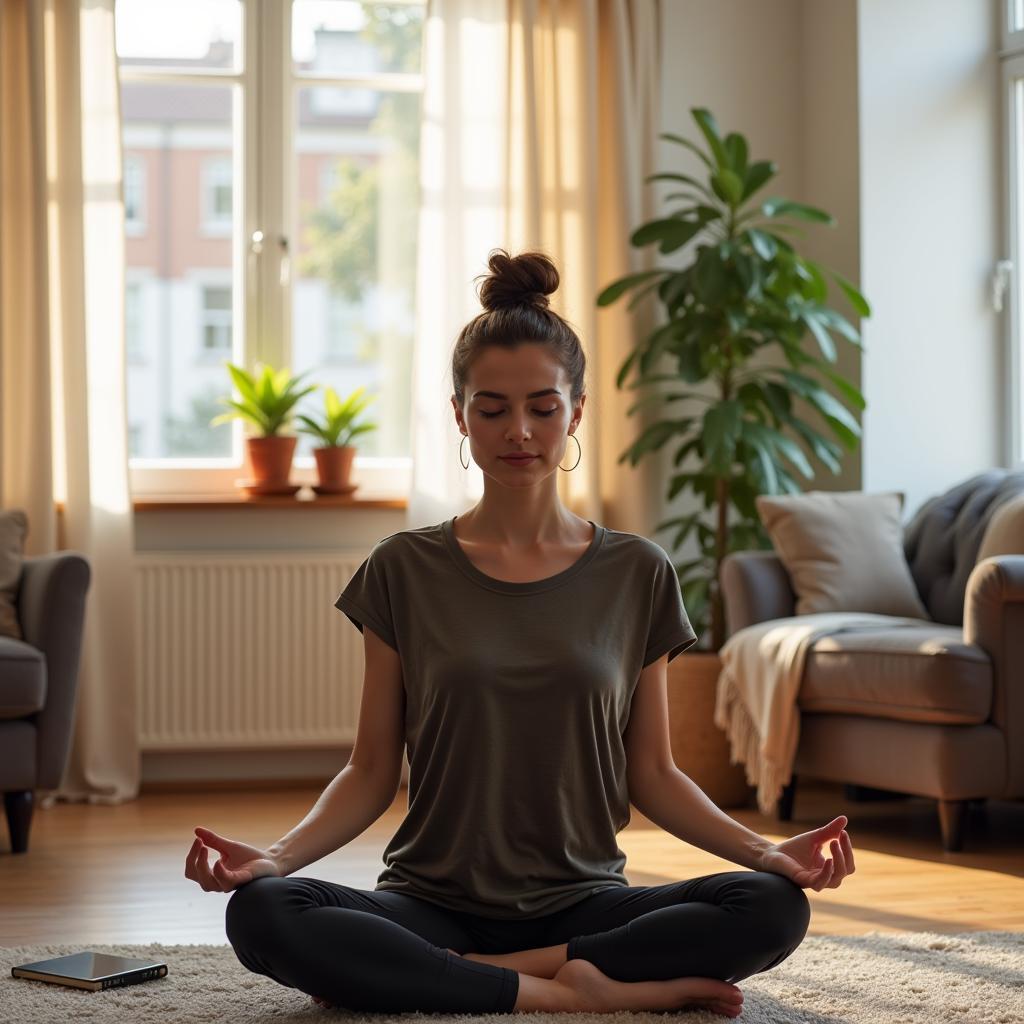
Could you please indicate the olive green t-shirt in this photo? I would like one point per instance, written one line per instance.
(516, 699)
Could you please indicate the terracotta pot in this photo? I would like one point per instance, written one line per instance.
(699, 747)
(271, 458)
(334, 466)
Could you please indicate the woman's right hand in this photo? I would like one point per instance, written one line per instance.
(238, 863)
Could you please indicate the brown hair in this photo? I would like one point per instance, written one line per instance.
(514, 297)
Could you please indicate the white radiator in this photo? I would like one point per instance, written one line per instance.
(246, 650)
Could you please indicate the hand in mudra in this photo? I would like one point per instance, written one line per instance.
(800, 858)
(238, 862)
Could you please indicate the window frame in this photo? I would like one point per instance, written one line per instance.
(264, 164)
(1012, 164)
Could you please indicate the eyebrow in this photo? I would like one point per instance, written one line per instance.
(532, 394)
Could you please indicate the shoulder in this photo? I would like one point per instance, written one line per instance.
(397, 547)
(635, 549)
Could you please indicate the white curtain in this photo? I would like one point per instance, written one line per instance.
(540, 123)
(462, 161)
(63, 423)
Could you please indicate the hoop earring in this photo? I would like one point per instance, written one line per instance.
(465, 465)
(578, 457)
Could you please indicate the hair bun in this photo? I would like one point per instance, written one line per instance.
(524, 280)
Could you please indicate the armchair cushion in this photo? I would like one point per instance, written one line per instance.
(843, 551)
(920, 673)
(13, 529)
(23, 671)
(1004, 534)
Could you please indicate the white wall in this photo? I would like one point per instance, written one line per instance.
(886, 114)
(929, 165)
(830, 178)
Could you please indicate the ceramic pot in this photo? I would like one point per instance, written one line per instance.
(333, 467)
(271, 458)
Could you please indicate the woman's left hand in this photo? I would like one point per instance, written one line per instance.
(800, 859)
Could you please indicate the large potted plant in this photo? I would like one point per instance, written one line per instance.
(335, 430)
(743, 296)
(266, 403)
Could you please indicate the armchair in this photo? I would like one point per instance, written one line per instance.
(38, 683)
(934, 711)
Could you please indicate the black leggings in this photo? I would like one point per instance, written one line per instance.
(388, 952)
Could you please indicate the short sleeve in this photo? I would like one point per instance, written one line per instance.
(365, 599)
(670, 630)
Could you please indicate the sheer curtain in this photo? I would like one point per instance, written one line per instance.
(540, 124)
(62, 374)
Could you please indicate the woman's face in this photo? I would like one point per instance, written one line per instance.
(518, 400)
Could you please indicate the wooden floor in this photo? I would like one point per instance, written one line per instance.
(97, 874)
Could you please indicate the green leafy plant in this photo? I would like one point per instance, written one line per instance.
(744, 295)
(336, 429)
(268, 398)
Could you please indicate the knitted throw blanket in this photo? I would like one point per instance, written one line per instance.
(756, 697)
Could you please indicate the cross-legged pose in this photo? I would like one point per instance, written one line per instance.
(518, 653)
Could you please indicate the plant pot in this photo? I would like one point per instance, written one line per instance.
(270, 459)
(333, 467)
(699, 747)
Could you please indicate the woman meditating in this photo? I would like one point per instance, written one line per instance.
(518, 652)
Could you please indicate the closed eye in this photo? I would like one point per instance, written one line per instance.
(539, 412)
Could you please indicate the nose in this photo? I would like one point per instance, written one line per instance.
(517, 431)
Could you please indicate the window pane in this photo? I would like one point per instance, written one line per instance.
(356, 203)
(338, 37)
(182, 138)
(184, 33)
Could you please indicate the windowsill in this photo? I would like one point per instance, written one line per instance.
(304, 499)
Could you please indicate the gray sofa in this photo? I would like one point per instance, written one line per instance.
(39, 683)
(934, 711)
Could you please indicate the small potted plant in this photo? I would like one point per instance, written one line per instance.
(267, 401)
(336, 431)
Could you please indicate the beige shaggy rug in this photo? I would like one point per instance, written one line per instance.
(878, 978)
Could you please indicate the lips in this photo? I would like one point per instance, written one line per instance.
(518, 460)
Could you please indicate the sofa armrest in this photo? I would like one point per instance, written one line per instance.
(755, 588)
(994, 621)
(51, 610)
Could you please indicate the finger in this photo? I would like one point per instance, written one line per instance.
(839, 873)
(836, 848)
(190, 860)
(848, 851)
(210, 883)
(208, 837)
(824, 875)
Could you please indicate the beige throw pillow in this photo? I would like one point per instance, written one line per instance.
(843, 551)
(13, 529)
(1004, 534)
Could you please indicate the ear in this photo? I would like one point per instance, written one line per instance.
(458, 412)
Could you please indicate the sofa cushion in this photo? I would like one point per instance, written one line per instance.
(915, 673)
(22, 678)
(843, 551)
(13, 529)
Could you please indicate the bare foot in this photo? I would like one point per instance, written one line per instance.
(592, 990)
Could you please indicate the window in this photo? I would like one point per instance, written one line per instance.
(1007, 285)
(134, 193)
(133, 344)
(216, 322)
(275, 170)
(217, 203)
